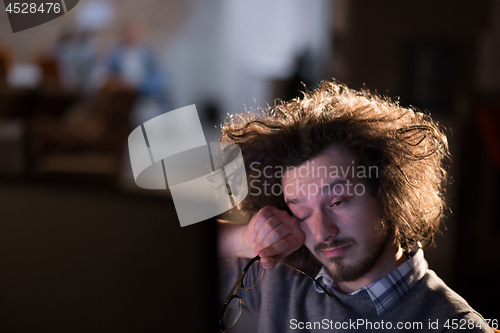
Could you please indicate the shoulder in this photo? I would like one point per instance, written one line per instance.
(435, 289)
(434, 299)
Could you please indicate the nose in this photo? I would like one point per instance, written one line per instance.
(325, 228)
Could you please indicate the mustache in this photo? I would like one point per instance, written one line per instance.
(336, 242)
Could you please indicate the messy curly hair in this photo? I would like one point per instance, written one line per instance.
(407, 146)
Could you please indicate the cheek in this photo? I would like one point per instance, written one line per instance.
(369, 226)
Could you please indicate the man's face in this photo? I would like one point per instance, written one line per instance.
(339, 217)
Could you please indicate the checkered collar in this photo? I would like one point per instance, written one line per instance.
(389, 290)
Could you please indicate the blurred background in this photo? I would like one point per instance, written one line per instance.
(83, 249)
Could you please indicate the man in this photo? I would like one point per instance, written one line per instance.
(347, 186)
(132, 62)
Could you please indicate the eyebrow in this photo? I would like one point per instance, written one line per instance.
(326, 188)
(329, 187)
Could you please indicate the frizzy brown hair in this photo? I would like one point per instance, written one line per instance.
(407, 146)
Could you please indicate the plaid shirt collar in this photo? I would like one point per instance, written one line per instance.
(389, 290)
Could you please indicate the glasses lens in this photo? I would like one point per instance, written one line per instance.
(233, 313)
(253, 275)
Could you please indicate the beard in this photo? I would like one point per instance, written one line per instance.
(339, 271)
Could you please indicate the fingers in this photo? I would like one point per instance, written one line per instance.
(257, 221)
(284, 247)
(281, 249)
(274, 228)
(274, 233)
(262, 216)
(268, 263)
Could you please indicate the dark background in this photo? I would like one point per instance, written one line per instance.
(91, 259)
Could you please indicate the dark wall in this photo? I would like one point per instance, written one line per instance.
(96, 260)
(374, 45)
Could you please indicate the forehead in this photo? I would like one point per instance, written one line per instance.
(332, 158)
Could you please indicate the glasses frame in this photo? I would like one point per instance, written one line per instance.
(235, 291)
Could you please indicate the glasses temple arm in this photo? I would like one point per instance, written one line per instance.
(309, 276)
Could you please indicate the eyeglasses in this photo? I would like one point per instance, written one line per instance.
(231, 311)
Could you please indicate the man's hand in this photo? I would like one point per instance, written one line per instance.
(273, 233)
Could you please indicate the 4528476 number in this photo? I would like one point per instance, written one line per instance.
(27, 8)
(463, 324)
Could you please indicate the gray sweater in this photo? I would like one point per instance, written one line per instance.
(286, 302)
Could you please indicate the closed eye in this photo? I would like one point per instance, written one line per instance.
(301, 219)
